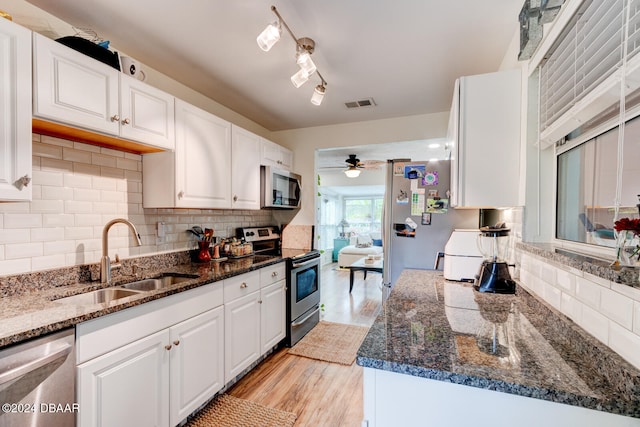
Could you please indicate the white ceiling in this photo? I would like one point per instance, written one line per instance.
(404, 54)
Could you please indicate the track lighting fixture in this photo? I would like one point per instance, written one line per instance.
(304, 48)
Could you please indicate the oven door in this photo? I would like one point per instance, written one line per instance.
(305, 286)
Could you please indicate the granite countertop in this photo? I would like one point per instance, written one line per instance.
(28, 313)
(516, 344)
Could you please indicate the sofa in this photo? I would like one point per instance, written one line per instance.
(360, 246)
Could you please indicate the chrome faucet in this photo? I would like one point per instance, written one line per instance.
(105, 262)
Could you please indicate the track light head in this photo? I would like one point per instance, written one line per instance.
(269, 36)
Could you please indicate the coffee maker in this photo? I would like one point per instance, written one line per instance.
(494, 276)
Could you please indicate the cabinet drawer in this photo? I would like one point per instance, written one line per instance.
(241, 285)
(272, 274)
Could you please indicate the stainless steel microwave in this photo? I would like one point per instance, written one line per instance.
(279, 188)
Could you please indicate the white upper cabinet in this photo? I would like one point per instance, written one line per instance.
(485, 129)
(74, 89)
(245, 169)
(15, 111)
(198, 173)
(146, 113)
(275, 155)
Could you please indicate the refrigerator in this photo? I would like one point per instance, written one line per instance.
(417, 220)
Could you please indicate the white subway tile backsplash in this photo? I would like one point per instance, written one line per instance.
(46, 206)
(22, 220)
(74, 155)
(16, 235)
(566, 281)
(55, 165)
(56, 193)
(112, 196)
(595, 323)
(625, 343)
(22, 250)
(588, 292)
(626, 290)
(78, 233)
(548, 273)
(86, 194)
(77, 180)
(48, 261)
(57, 220)
(86, 147)
(45, 139)
(43, 177)
(107, 172)
(617, 307)
(47, 234)
(599, 280)
(15, 266)
(103, 160)
(571, 307)
(59, 247)
(46, 150)
(128, 164)
(104, 183)
(552, 295)
(77, 206)
(86, 169)
(90, 220)
(110, 152)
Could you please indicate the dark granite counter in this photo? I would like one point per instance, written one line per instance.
(28, 301)
(516, 344)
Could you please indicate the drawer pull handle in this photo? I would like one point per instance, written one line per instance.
(115, 118)
(167, 347)
(176, 342)
(243, 285)
(126, 121)
(274, 274)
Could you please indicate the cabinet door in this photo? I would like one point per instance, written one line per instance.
(203, 159)
(245, 169)
(275, 155)
(273, 311)
(488, 152)
(72, 88)
(128, 386)
(146, 113)
(197, 362)
(15, 111)
(241, 334)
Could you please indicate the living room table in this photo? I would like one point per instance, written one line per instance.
(363, 265)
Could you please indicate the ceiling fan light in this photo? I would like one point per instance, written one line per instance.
(305, 62)
(352, 172)
(269, 36)
(300, 78)
(318, 95)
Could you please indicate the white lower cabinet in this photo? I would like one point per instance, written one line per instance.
(255, 316)
(128, 386)
(154, 364)
(272, 312)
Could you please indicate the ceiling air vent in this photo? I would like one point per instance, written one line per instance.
(369, 102)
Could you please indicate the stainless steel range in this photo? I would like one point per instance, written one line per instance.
(303, 297)
(303, 279)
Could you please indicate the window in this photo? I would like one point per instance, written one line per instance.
(587, 178)
(364, 215)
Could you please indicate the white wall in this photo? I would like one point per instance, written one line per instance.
(304, 143)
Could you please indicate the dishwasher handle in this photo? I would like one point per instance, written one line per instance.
(32, 365)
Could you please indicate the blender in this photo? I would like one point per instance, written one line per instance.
(494, 276)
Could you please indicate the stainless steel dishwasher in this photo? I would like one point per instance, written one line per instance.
(37, 382)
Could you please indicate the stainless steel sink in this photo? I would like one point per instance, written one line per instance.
(159, 282)
(98, 296)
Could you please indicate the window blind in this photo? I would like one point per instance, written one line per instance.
(580, 77)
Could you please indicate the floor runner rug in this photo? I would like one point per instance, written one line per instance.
(331, 342)
(228, 411)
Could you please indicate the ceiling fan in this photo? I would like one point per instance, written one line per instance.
(354, 165)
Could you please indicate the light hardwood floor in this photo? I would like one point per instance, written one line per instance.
(320, 393)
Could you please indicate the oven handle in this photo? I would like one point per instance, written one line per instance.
(32, 365)
(300, 322)
(302, 264)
